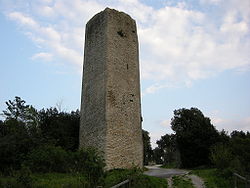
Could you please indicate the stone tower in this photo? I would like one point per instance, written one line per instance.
(110, 106)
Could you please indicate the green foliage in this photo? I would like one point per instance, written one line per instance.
(221, 156)
(147, 149)
(17, 110)
(48, 159)
(25, 129)
(196, 143)
(168, 149)
(194, 136)
(54, 159)
(213, 179)
(182, 182)
(158, 155)
(59, 180)
(169, 165)
(240, 147)
(24, 178)
(15, 143)
(60, 128)
(233, 156)
(20, 179)
(47, 141)
(87, 163)
(90, 163)
(48, 180)
(116, 176)
(143, 181)
(75, 180)
(9, 182)
(137, 179)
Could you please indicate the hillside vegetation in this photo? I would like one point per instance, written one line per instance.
(40, 149)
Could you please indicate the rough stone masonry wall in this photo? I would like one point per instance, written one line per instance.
(111, 109)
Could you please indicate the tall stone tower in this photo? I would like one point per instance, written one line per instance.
(110, 106)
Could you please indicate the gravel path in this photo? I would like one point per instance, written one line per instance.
(163, 172)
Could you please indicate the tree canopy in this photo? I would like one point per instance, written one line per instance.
(25, 129)
(147, 149)
(194, 136)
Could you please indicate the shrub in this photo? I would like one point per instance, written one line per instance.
(213, 179)
(48, 159)
(24, 177)
(90, 163)
(182, 181)
(87, 163)
(136, 177)
(236, 166)
(115, 176)
(225, 161)
(221, 156)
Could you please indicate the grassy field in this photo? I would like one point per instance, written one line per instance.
(61, 180)
(182, 182)
(213, 180)
(47, 180)
(138, 180)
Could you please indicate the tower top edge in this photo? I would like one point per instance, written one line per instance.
(110, 11)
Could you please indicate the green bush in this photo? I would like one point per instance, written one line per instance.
(48, 159)
(221, 156)
(89, 163)
(76, 180)
(14, 145)
(24, 178)
(115, 176)
(144, 181)
(60, 180)
(236, 166)
(224, 160)
(212, 178)
(86, 163)
(136, 177)
(182, 182)
(8, 183)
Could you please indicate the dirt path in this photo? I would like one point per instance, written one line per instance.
(197, 181)
(169, 173)
(170, 182)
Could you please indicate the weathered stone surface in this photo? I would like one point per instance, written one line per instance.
(110, 106)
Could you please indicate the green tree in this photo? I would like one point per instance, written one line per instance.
(147, 149)
(60, 128)
(25, 129)
(19, 111)
(158, 155)
(221, 156)
(194, 136)
(224, 138)
(168, 146)
(15, 143)
(233, 155)
(240, 147)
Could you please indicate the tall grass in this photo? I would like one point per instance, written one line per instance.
(136, 177)
(213, 179)
(77, 180)
(182, 182)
